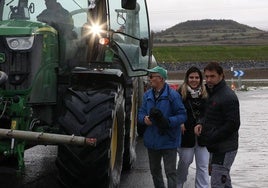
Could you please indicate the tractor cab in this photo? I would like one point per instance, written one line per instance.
(88, 31)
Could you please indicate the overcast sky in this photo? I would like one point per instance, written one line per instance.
(166, 13)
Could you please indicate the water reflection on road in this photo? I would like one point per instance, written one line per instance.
(250, 167)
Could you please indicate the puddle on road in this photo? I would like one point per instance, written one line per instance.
(250, 167)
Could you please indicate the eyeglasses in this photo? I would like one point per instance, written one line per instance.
(151, 76)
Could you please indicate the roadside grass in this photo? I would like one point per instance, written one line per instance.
(210, 53)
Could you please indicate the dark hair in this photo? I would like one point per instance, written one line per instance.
(191, 70)
(214, 66)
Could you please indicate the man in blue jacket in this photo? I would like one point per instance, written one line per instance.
(162, 112)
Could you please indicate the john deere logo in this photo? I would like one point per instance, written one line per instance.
(2, 58)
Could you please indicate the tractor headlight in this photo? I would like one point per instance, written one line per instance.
(20, 43)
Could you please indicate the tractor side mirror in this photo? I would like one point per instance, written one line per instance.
(144, 45)
(129, 4)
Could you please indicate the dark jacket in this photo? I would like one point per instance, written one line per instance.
(222, 119)
(59, 18)
(170, 104)
(195, 108)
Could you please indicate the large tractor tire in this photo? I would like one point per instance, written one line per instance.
(96, 113)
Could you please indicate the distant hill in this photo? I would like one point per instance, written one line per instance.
(211, 32)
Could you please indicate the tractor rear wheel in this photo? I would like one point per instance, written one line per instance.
(95, 113)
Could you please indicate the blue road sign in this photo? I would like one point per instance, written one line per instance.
(239, 73)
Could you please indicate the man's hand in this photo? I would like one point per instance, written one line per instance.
(198, 129)
(183, 129)
(147, 121)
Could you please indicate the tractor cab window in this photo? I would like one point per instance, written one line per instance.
(129, 26)
(56, 13)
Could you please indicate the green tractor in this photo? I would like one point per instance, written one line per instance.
(73, 75)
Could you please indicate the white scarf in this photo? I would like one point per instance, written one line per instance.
(195, 93)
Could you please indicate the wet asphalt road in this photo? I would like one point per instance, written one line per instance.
(40, 170)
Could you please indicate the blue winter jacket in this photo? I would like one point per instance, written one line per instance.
(170, 104)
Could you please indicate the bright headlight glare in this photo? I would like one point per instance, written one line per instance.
(96, 29)
(20, 43)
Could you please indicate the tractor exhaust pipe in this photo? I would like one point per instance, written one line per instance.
(47, 137)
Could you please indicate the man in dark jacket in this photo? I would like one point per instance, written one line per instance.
(58, 17)
(220, 125)
(162, 112)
